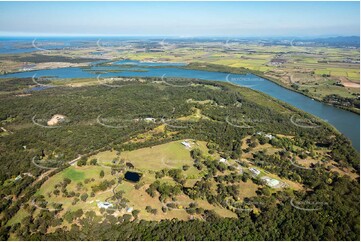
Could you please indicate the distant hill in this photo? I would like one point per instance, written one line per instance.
(340, 41)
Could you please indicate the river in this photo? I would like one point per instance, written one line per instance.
(346, 122)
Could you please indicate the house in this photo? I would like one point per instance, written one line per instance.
(152, 120)
(277, 62)
(271, 182)
(255, 171)
(222, 160)
(270, 136)
(18, 178)
(129, 209)
(186, 144)
(105, 205)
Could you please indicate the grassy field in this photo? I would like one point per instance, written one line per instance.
(170, 155)
(22, 213)
(148, 160)
(139, 199)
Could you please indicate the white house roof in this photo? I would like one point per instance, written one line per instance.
(150, 119)
(271, 182)
(18, 177)
(104, 205)
(255, 171)
(185, 143)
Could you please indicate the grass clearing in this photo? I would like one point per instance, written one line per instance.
(74, 175)
(170, 155)
(22, 213)
(148, 160)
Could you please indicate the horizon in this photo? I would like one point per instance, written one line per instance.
(174, 36)
(180, 19)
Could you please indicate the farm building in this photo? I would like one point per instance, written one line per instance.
(105, 205)
(19, 177)
(271, 182)
(255, 171)
(186, 144)
(270, 136)
(150, 120)
(222, 160)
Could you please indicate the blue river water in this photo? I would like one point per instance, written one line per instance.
(346, 122)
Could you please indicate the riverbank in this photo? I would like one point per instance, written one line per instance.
(243, 71)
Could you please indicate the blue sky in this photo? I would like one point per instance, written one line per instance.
(180, 18)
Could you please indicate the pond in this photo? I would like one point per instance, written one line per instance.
(132, 176)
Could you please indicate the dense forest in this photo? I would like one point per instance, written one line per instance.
(341, 101)
(228, 108)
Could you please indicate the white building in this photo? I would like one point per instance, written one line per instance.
(270, 136)
(255, 171)
(18, 178)
(222, 160)
(186, 144)
(129, 209)
(271, 182)
(149, 120)
(105, 205)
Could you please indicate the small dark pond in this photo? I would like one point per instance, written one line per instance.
(132, 176)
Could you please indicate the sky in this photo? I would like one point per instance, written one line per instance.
(181, 19)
